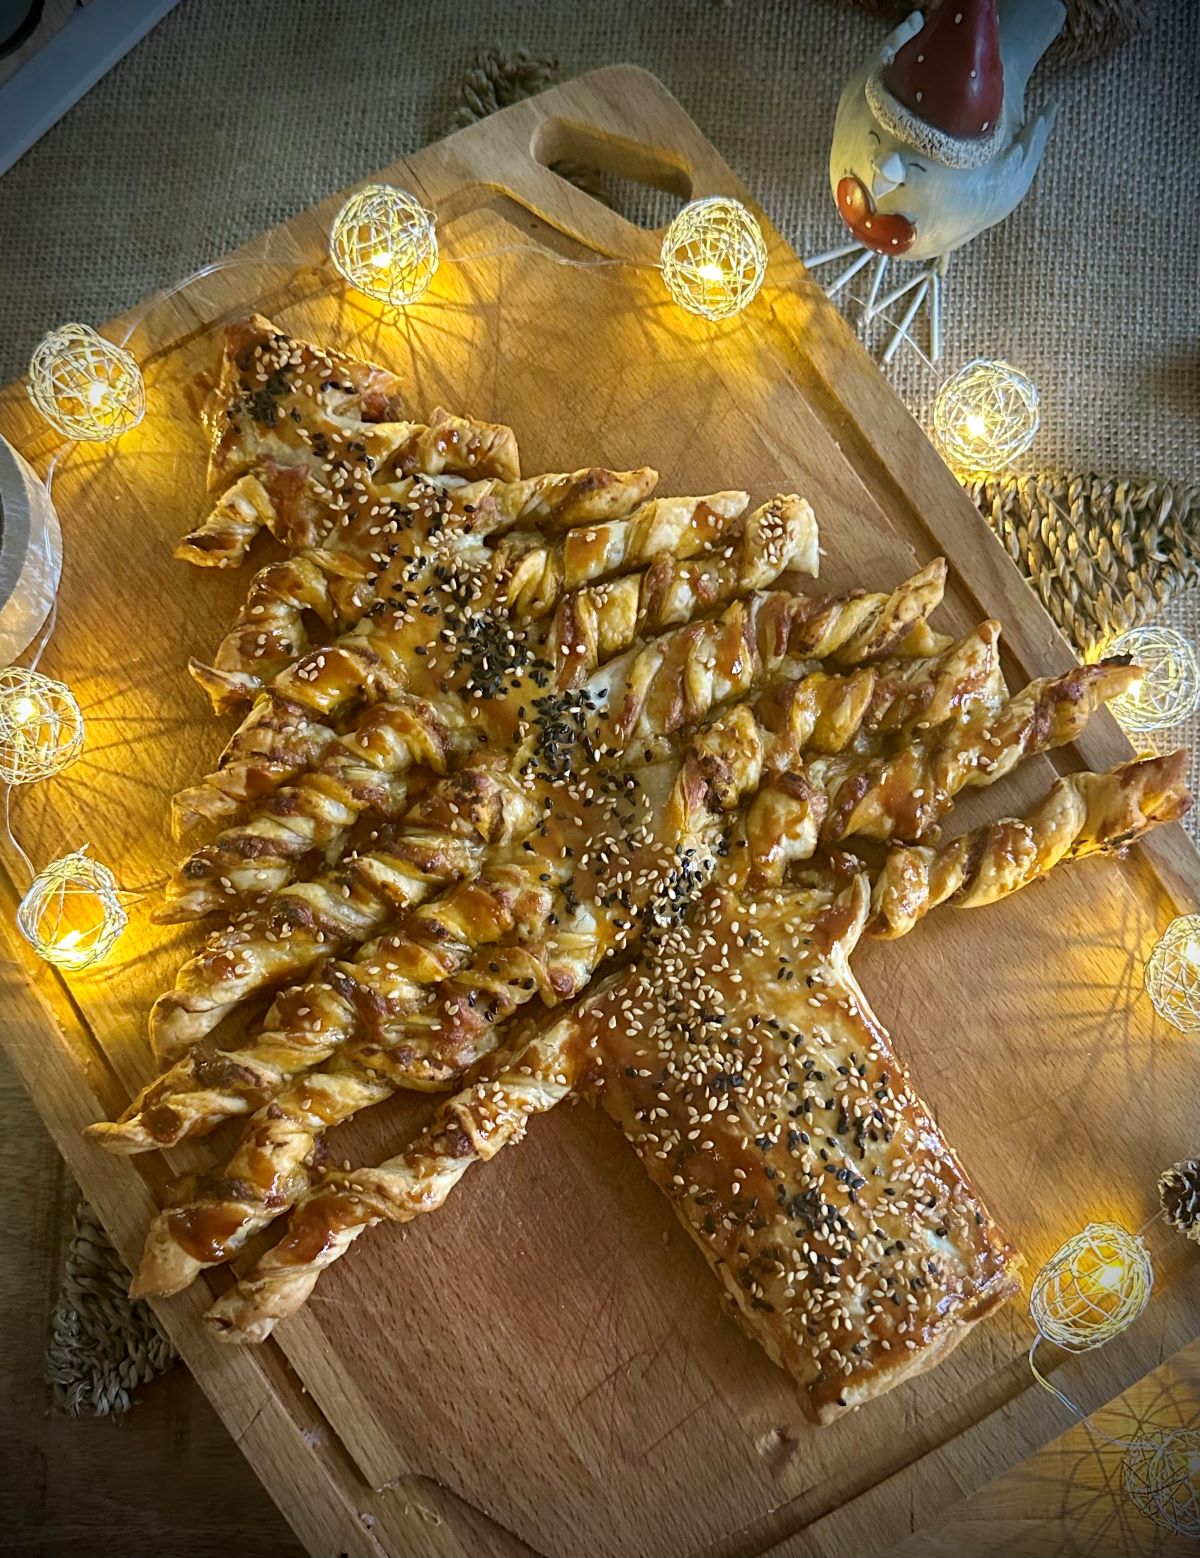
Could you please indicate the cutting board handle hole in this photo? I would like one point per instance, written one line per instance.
(644, 184)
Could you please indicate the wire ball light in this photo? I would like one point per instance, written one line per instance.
(85, 386)
(1162, 1478)
(1172, 975)
(72, 914)
(384, 243)
(1092, 1288)
(1169, 690)
(41, 728)
(985, 415)
(714, 258)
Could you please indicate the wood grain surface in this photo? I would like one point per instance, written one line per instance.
(146, 1482)
(547, 1364)
(1068, 1498)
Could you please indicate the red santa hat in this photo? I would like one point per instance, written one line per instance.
(943, 91)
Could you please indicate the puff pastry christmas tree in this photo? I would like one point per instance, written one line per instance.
(549, 785)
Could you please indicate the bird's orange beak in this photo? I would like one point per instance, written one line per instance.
(885, 232)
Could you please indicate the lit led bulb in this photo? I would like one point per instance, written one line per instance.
(1173, 974)
(41, 728)
(1169, 689)
(985, 415)
(384, 243)
(1092, 1288)
(86, 387)
(713, 257)
(72, 914)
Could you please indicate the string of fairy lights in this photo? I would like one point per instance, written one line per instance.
(712, 262)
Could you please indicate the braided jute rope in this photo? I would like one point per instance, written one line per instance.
(103, 1344)
(1103, 553)
(497, 78)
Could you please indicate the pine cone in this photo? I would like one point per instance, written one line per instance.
(1179, 1192)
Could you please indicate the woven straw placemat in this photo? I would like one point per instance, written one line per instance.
(103, 1344)
(1116, 367)
(1104, 554)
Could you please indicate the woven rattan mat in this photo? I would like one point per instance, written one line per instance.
(1117, 369)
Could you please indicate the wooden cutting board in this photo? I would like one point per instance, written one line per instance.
(547, 1365)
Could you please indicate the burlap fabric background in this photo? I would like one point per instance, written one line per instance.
(233, 115)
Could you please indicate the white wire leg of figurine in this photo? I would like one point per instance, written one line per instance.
(923, 288)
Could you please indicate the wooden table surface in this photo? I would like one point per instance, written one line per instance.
(178, 1486)
(168, 1478)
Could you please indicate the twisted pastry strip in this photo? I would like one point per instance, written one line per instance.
(827, 800)
(275, 743)
(227, 534)
(915, 696)
(342, 579)
(383, 653)
(388, 979)
(821, 712)
(878, 627)
(440, 841)
(391, 452)
(601, 621)
(220, 977)
(905, 796)
(209, 1085)
(308, 1023)
(362, 770)
(535, 579)
(298, 493)
(622, 874)
(284, 498)
(653, 848)
(1083, 814)
(270, 632)
(556, 501)
(677, 678)
(312, 427)
(470, 1128)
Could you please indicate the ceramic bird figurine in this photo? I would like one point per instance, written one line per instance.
(931, 146)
